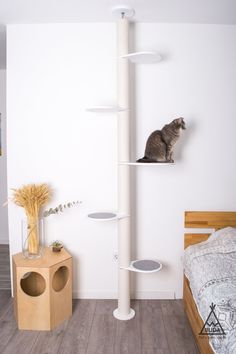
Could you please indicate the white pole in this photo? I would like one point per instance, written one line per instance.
(123, 312)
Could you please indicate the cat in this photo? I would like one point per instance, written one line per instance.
(160, 144)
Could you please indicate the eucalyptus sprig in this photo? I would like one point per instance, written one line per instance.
(60, 208)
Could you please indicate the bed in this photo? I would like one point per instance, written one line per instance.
(205, 220)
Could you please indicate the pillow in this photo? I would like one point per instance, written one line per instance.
(221, 241)
(220, 232)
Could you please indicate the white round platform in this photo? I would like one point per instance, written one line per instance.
(102, 216)
(147, 163)
(144, 266)
(106, 216)
(120, 317)
(143, 57)
(106, 109)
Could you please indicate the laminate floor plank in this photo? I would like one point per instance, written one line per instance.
(10, 337)
(152, 326)
(7, 330)
(49, 342)
(103, 330)
(76, 336)
(155, 351)
(8, 327)
(159, 327)
(5, 278)
(4, 248)
(5, 297)
(21, 342)
(5, 285)
(178, 332)
(128, 334)
(7, 311)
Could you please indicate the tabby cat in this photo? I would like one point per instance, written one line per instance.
(160, 144)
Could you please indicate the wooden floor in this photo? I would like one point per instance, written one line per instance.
(159, 327)
(5, 282)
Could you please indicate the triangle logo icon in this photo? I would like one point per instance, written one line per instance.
(212, 325)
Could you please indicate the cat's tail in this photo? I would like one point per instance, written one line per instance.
(145, 160)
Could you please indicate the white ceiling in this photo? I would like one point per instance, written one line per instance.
(175, 11)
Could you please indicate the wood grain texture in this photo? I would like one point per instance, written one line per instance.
(7, 332)
(38, 303)
(128, 334)
(5, 277)
(8, 326)
(178, 333)
(192, 239)
(201, 219)
(8, 310)
(103, 331)
(49, 259)
(21, 342)
(50, 341)
(209, 219)
(158, 327)
(4, 299)
(195, 320)
(76, 337)
(155, 351)
(153, 332)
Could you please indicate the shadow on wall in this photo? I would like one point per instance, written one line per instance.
(184, 140)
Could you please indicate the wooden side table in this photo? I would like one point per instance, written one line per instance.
(42, 290)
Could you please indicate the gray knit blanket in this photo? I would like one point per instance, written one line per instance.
(210, 267)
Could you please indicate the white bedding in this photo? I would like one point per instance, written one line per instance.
(210, 267)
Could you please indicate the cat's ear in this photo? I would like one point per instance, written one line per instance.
(179, 122)
(182, 123)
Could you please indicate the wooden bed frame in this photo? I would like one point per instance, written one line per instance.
(205, 220)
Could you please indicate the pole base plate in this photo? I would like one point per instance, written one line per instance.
(121, 317)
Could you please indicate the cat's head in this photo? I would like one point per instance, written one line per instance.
(179, 123)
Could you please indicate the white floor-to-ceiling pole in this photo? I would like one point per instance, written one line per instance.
(123, 312)
(123, 214)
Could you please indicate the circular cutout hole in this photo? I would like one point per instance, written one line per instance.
(33, 284)
(60, 278)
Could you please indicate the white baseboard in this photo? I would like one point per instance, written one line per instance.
(141, 295)
(153, 295)
(4, 240)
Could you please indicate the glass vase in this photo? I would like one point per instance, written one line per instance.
(32, 232)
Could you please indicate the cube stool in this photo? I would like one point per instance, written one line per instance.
(42, 290)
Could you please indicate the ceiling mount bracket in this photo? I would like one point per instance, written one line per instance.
(122, 11)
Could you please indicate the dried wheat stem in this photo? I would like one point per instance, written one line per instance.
(32, 197)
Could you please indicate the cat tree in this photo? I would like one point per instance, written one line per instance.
(123, 215)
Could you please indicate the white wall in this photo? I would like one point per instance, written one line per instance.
(54, 73)
(3, 163)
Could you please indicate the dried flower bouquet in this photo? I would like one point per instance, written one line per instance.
(32, 197)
